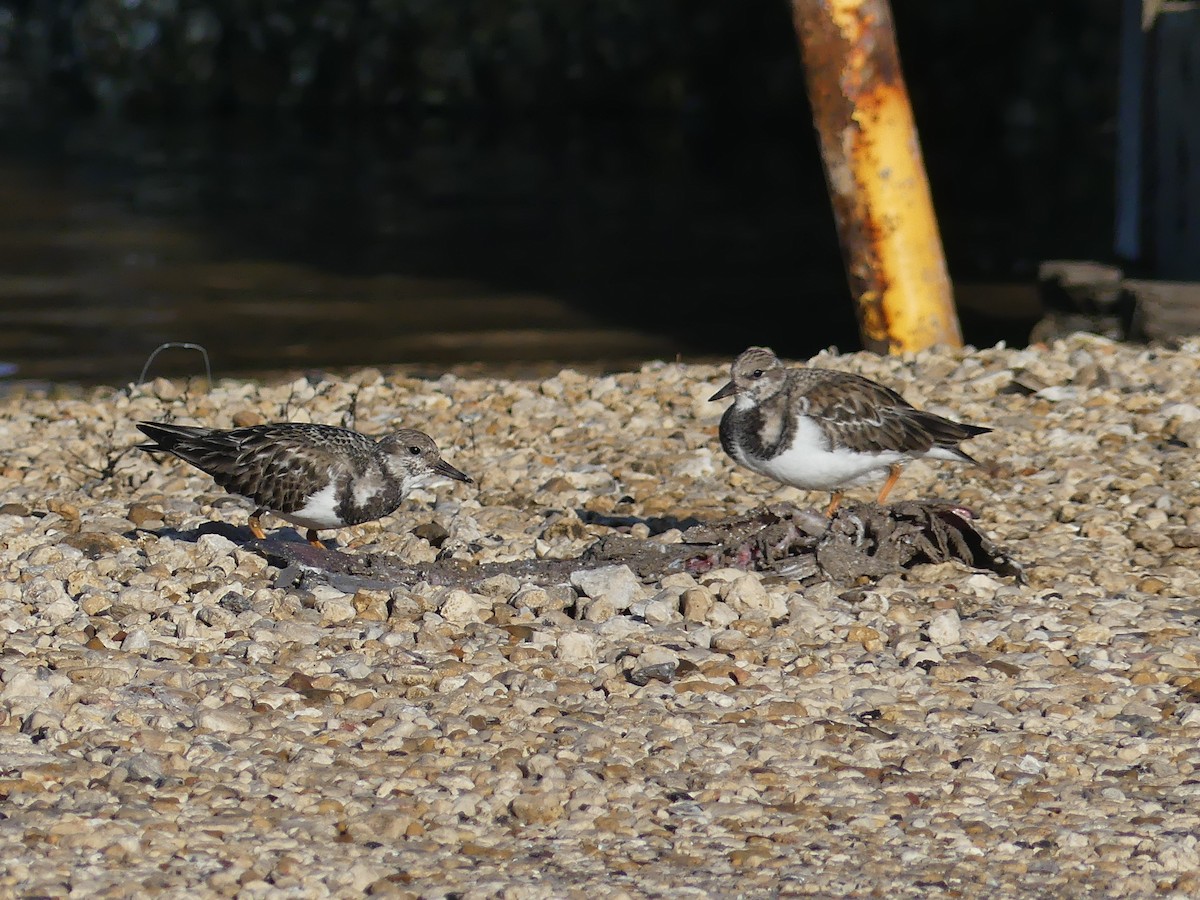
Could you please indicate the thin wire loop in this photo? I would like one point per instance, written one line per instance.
(178, 345)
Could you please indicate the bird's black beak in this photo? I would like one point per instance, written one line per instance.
(444, 468)
(727, 391)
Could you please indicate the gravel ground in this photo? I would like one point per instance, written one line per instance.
(180, 718)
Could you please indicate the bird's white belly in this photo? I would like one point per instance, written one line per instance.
(320, 511)
(809, 464)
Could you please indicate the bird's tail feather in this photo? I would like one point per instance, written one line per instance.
(166, 435)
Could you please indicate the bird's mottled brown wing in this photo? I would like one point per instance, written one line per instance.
(864, 415)
(276, 466)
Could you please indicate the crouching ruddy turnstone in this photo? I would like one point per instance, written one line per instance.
(824, 430)
(314, 476)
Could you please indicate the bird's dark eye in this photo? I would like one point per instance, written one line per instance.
(757, 373)
(415, 451)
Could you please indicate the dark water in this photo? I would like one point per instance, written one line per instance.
(281, 244)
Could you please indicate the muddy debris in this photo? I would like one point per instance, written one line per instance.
(862, 540)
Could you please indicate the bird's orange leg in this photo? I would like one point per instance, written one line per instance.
(312, 539)
(834, 502)
(256, 528)
(893, 477)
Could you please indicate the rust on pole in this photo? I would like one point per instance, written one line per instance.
(876, 177)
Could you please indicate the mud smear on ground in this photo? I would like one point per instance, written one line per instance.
(862, 540)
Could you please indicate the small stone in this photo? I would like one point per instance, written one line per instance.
(655, 655)
(137, 641)
(643, 675)
(945, 629)
(728, 640)
(335, 610)
(556, 485)
(432, 532)
(534, 599)
(246, 418)
(360, 701)
(746, 594)
(27, 691)
(370, 605)
(223, 720)
(165, 389)
(144, 768)
(518, 633)
(101, 676)
(404, 607)
(94, 545)
(870, 639)
(616, 584)
(68, 511)
(662, 608)
(697, 603)
(538, 809)
(499, 586)
(94, 604)
(141, 513)
(576, 648)
(599, 610)
(458, 607)
(235, 603)
(722, 614)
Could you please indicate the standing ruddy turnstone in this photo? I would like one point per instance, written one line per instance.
(824, 430)
(314, 476)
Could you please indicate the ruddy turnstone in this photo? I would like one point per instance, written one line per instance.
(314, 476)
(820, 429)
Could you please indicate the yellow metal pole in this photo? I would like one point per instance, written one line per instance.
(877, 183)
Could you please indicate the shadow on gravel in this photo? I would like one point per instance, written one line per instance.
(237, 534)
(862, 540)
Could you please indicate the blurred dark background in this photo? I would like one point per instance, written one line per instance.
(323, 184)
